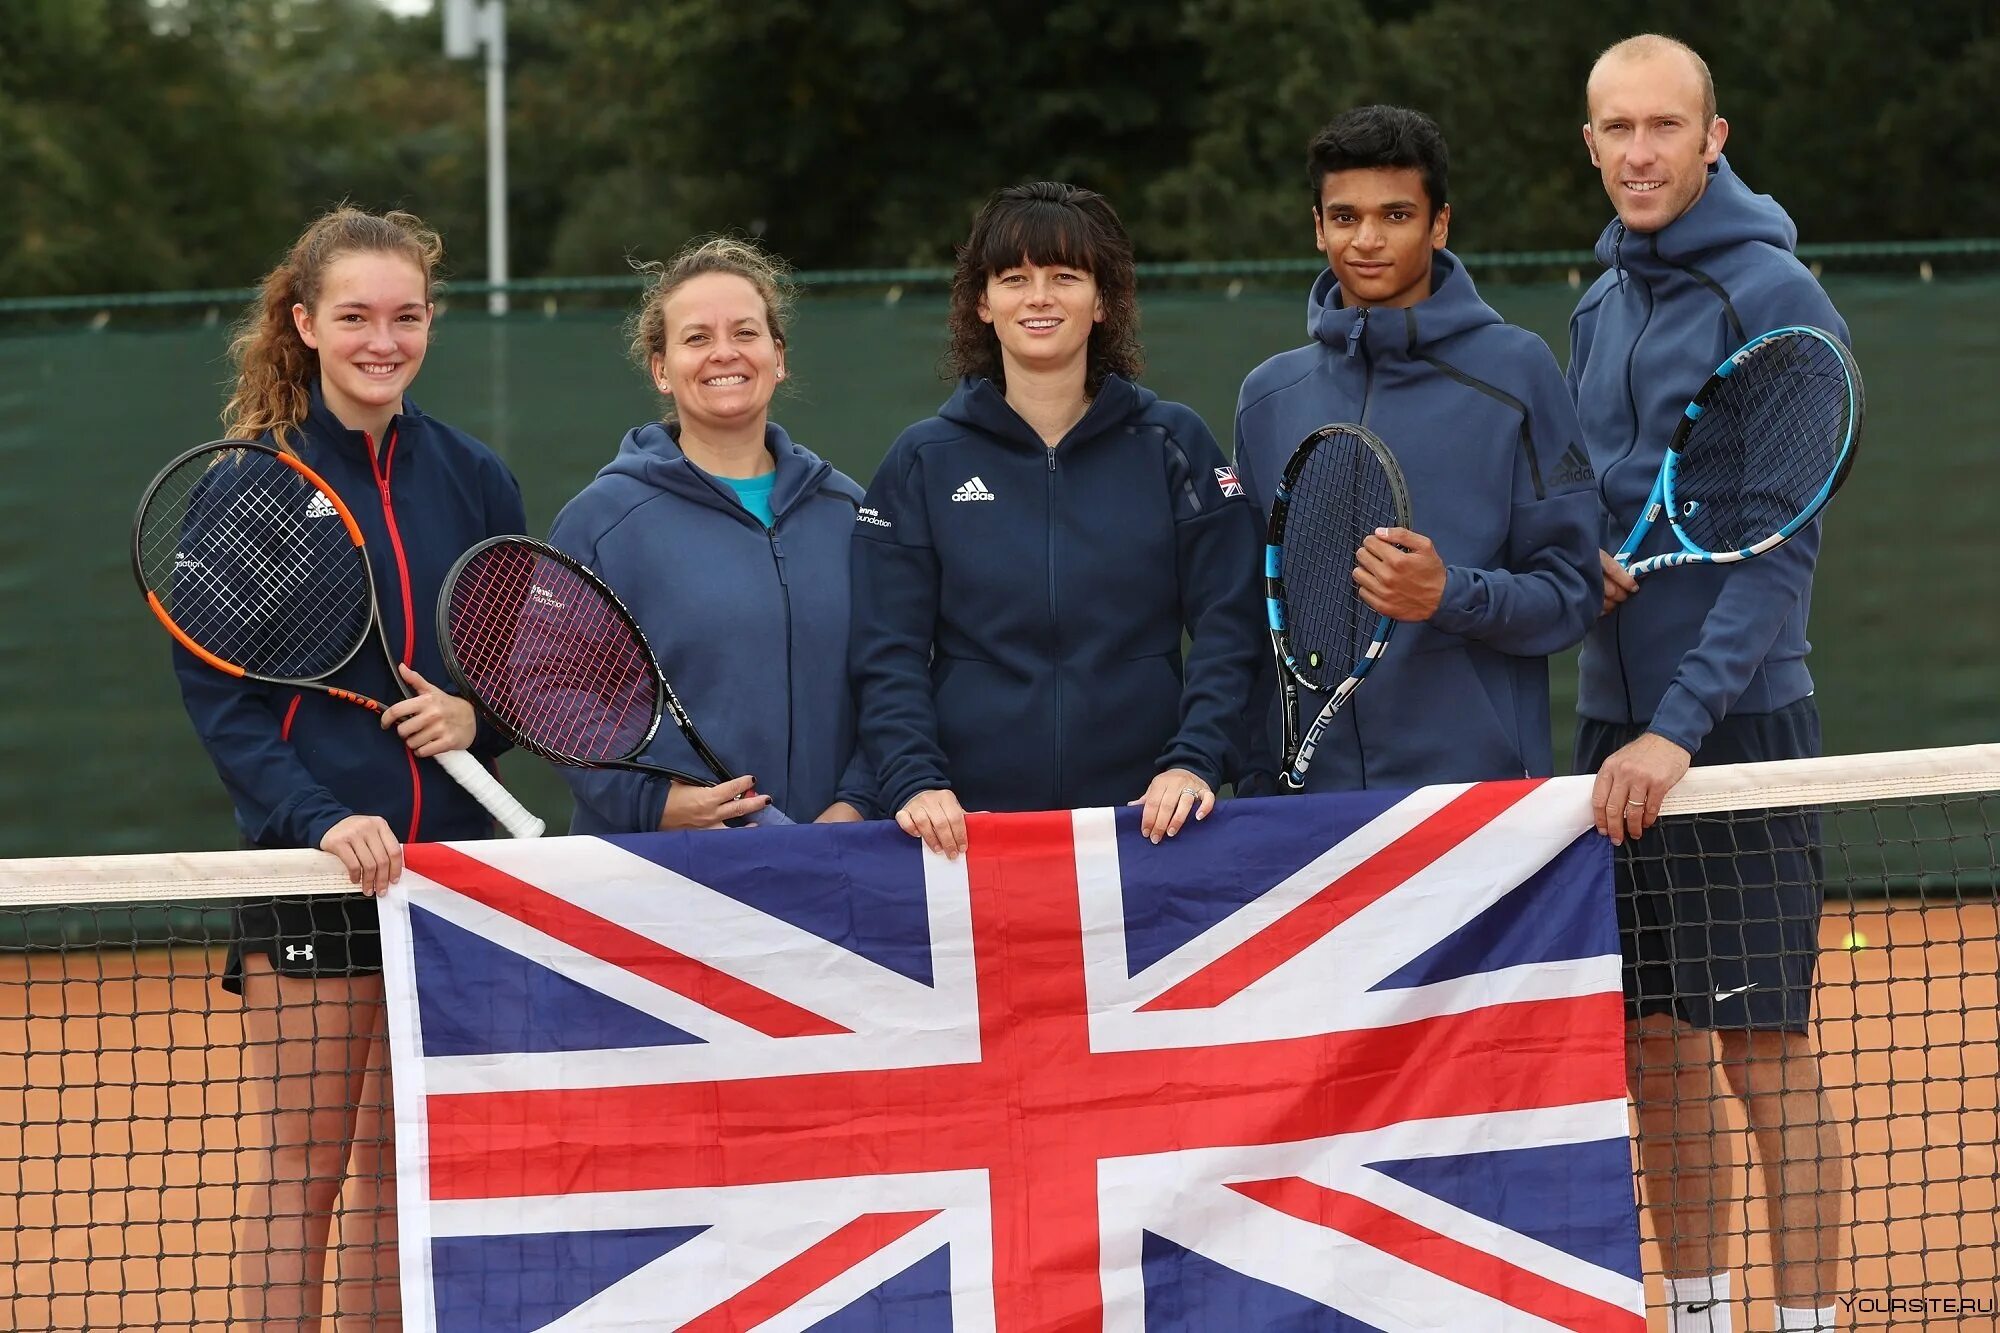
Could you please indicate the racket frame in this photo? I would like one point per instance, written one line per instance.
(467, 771)
(666, 704)
(1662, 501)
(1298, 752)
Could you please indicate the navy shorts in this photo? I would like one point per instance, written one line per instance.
(319, 935)
(1718, 914)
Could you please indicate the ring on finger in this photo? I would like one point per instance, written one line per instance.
(1638, 803)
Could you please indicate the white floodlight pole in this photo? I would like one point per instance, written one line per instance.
(468, 26)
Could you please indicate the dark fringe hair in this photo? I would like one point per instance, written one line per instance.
(1047, 223)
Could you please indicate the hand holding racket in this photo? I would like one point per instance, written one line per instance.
(256, 566)
(1341, 484)
(547, 652)
(1758, 452)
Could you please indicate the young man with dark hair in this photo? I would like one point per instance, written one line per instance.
(1719, 920)
(1499, 567)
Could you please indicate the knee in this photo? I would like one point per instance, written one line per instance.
(1764, 1068)
(1667, 1062)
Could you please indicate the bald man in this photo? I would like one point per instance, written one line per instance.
(1718, 920)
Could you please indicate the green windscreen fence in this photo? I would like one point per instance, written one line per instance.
(96, 755)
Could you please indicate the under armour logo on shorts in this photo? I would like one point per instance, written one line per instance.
(296, 952)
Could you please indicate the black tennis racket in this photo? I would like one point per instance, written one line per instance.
(257, 567)
(1758, 452)
(547, 652)
(1341, 484)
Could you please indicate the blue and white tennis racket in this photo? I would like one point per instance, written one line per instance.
(1341, 484)
(1757, 454)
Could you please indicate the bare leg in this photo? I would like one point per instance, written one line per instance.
(308, 1051)
(1685, 1160)
(1801, 1155)
(367, 1291)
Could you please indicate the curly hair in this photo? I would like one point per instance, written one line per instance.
(275, 370)
(1047, 223)
(646, 330)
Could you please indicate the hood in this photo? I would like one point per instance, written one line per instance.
(652, 454)
(1453, 307)
(1728, 214)
(978, 404)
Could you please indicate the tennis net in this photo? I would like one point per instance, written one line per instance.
(140, 1103)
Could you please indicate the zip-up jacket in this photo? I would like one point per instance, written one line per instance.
(749, 623)
(1019, 610)
(296, 762)
(1477, 416)
(1698, 642)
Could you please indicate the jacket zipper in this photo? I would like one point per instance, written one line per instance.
(1632, 401)
(1055, 627)
(1356, 347)
(380, 467)
(785, 597)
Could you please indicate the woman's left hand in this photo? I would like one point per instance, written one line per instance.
(434, 721)
(1171, 798)
(840, 812)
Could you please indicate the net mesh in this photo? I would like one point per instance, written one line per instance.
(1768, 438)
(146, 1181)
(547, 654)
(1336, 493)
(253, 563)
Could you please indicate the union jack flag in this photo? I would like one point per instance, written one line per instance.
(1329, 1063)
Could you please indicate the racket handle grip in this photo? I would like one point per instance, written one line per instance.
(470, 774)
(769, 817)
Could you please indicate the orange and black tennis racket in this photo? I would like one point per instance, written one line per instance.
(254, 565)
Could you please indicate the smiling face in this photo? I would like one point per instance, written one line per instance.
(721, 364)
(1375, 227)
(371, 327)
(1651, 136)
(1042, 315)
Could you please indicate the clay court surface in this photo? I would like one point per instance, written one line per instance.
(121, 1107)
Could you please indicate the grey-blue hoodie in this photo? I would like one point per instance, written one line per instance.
(1698, 642)
(750, 625)
(1476, 413)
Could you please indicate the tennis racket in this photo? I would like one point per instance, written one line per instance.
(1758, 452)
(1341, 484)
(256, 566)
(548, 653)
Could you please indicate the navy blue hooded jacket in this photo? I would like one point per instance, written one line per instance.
(749, 623)
(1019, 609)
(297, 762)
(1701, 641)
(1477, 415)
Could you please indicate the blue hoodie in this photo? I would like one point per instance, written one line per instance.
(1701, 641)
(1019, 609)
(1476, 413)
(297, 762)
(749, 623)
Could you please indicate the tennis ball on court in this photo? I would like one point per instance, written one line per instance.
(1854, 939)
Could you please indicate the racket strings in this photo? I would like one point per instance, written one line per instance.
(550, 657)
(1764, 446)
(1340, 495)
(255, 565)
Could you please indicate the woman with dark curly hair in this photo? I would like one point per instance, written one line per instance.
(1028, 560)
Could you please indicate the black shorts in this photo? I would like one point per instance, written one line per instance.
(1718, 914)
(320, 935)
